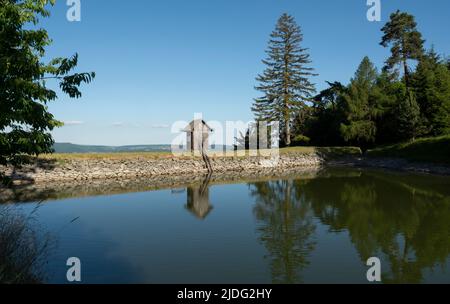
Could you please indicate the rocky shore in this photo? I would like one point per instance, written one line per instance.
(45, 171)
(56, 190)
(52, 180)
(396, 164)
(67, 170)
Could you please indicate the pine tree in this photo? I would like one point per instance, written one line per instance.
(407, 43)
(387, 93)
(431, 83)
(360, 108)
(325, 116)
(408, 117)
(285, 81)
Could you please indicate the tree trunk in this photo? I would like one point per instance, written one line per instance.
(405, 67)
(287, 114)
(288, 131)
(405, 63)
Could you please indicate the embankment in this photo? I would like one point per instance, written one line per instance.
(89, 169)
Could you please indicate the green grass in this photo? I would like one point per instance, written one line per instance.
(325, 152)
(118, 155)
(433, 150)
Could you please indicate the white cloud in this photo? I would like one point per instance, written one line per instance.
(121, 124)
(160, 126)
(73, 123)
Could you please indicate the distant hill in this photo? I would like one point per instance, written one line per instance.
(72, 148)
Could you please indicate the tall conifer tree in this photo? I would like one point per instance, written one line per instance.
(286, 80)
(360, 107)
(431, 83)
(405, 40)
(408, 117)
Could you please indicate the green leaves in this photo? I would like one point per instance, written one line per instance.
(70, 84)
(31, 9)
(25, 122)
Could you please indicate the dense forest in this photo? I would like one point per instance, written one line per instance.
(409, 98)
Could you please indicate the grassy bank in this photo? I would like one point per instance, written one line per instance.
(113, 155)
(433, 150)
(325, 152)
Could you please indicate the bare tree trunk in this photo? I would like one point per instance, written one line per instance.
(405, 67)
(405, 64)
(288, 130)
(206, 157)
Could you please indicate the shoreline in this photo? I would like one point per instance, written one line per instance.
(236, 170)
(392, 164)
(67, 189)
(44, 171)
(51, 171)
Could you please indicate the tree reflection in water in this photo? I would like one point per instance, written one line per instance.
(404, 220)
(285, 227)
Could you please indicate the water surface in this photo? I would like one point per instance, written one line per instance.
(300, 229)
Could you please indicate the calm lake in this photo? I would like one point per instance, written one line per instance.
(300, 229)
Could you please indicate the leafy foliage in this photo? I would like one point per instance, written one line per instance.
(25, 122)
(327, 114)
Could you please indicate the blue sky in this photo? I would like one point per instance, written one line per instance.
(160, 61)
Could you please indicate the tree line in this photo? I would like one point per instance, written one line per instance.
(407, 99)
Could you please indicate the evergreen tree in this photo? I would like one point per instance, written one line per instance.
(360, 108)
(407, 43)
(432, 87)
(329, 97)
(285, 81)
(25, 122)
(408, 116)
(387, 93)
(326, 116)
